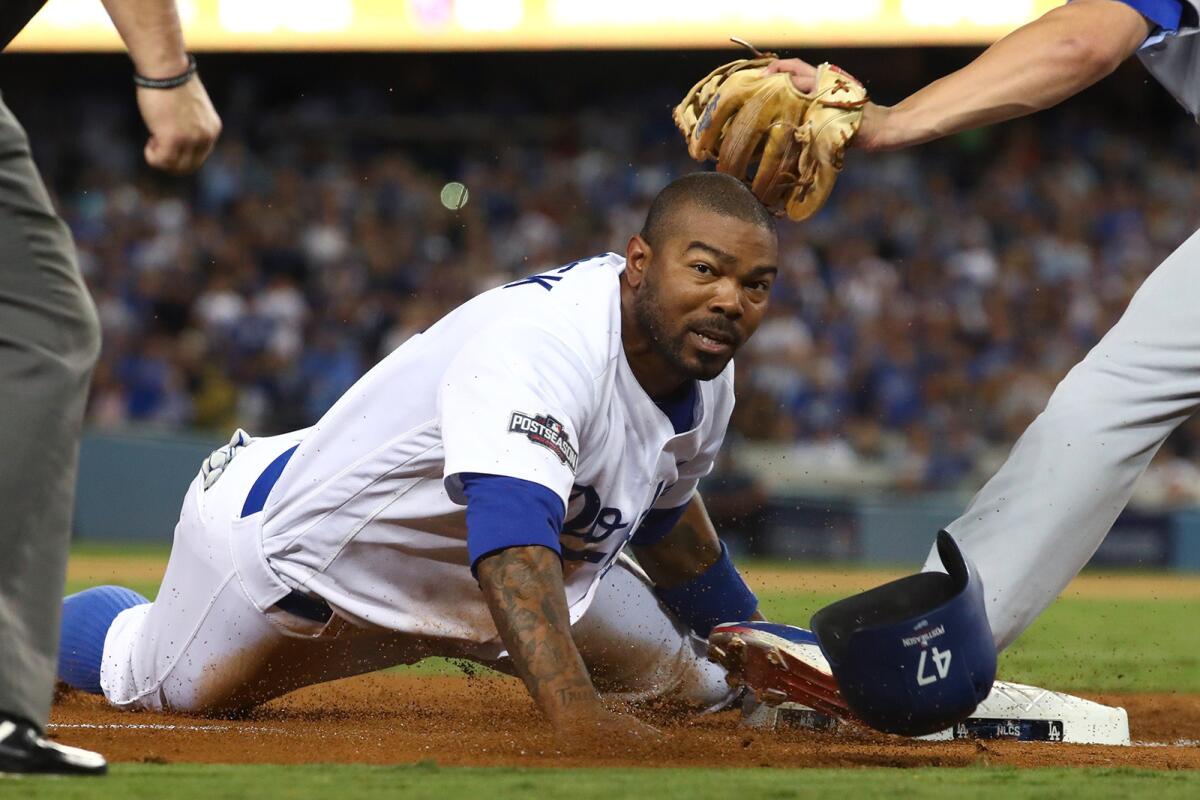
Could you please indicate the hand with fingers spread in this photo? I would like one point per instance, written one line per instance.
(524, 590)
(602, 729)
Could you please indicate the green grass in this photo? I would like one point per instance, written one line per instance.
(157, 551)
(135, 557)
(147, 588)
(1111, 645)
(430, 782)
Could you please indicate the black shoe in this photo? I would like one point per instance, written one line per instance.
(24, 749)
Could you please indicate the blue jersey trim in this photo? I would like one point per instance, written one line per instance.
(504, 512)
(1166, 14)
(257, 498)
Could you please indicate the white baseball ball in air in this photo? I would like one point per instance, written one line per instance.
(454, 195)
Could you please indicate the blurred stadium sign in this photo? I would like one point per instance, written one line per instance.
(544, 24)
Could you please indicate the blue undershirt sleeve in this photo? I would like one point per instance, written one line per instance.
(505, 512)
(1166, 14)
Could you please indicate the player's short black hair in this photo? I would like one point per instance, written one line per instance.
(713, 191)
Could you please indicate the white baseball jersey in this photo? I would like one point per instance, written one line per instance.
(528, 380)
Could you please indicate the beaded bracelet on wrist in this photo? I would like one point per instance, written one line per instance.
(168, 83)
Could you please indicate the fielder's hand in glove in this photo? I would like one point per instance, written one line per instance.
(751, 111)
(874, 116)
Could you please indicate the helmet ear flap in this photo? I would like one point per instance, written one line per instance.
(957, 566)
(916, 655)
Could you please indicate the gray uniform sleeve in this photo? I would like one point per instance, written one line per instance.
(1173, 58)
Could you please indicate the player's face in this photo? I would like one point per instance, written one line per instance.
(704, 291)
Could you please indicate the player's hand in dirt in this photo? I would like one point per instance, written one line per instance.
(606, 730)
(183, 126)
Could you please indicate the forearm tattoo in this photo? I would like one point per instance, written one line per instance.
(524, 590)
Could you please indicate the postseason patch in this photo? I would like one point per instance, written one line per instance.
(545, 430)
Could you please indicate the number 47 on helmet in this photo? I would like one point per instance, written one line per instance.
(913, 657)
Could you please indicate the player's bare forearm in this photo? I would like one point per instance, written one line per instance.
(1033, 68)
(524, 590)
(686, 552)
(152, 34)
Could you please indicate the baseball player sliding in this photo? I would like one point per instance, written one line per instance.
(471, 496)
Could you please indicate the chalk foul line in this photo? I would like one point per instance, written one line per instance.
(159, 726)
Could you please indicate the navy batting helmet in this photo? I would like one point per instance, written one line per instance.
(916, 655)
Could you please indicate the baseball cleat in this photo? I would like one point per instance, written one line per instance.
(86, 618)
(780, 663)
(24, 750)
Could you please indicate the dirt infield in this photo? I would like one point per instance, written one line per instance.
(489, 721)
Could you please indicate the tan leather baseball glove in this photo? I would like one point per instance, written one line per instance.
(742, 118)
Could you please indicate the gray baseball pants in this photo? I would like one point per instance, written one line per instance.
(49, 342)
(1034, 525)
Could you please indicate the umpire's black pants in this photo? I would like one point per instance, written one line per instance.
(49, 342)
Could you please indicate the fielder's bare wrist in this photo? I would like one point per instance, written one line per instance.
(873, 131)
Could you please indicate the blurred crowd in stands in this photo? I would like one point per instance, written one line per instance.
(918, 325)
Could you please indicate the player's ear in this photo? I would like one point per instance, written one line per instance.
(637, 258)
